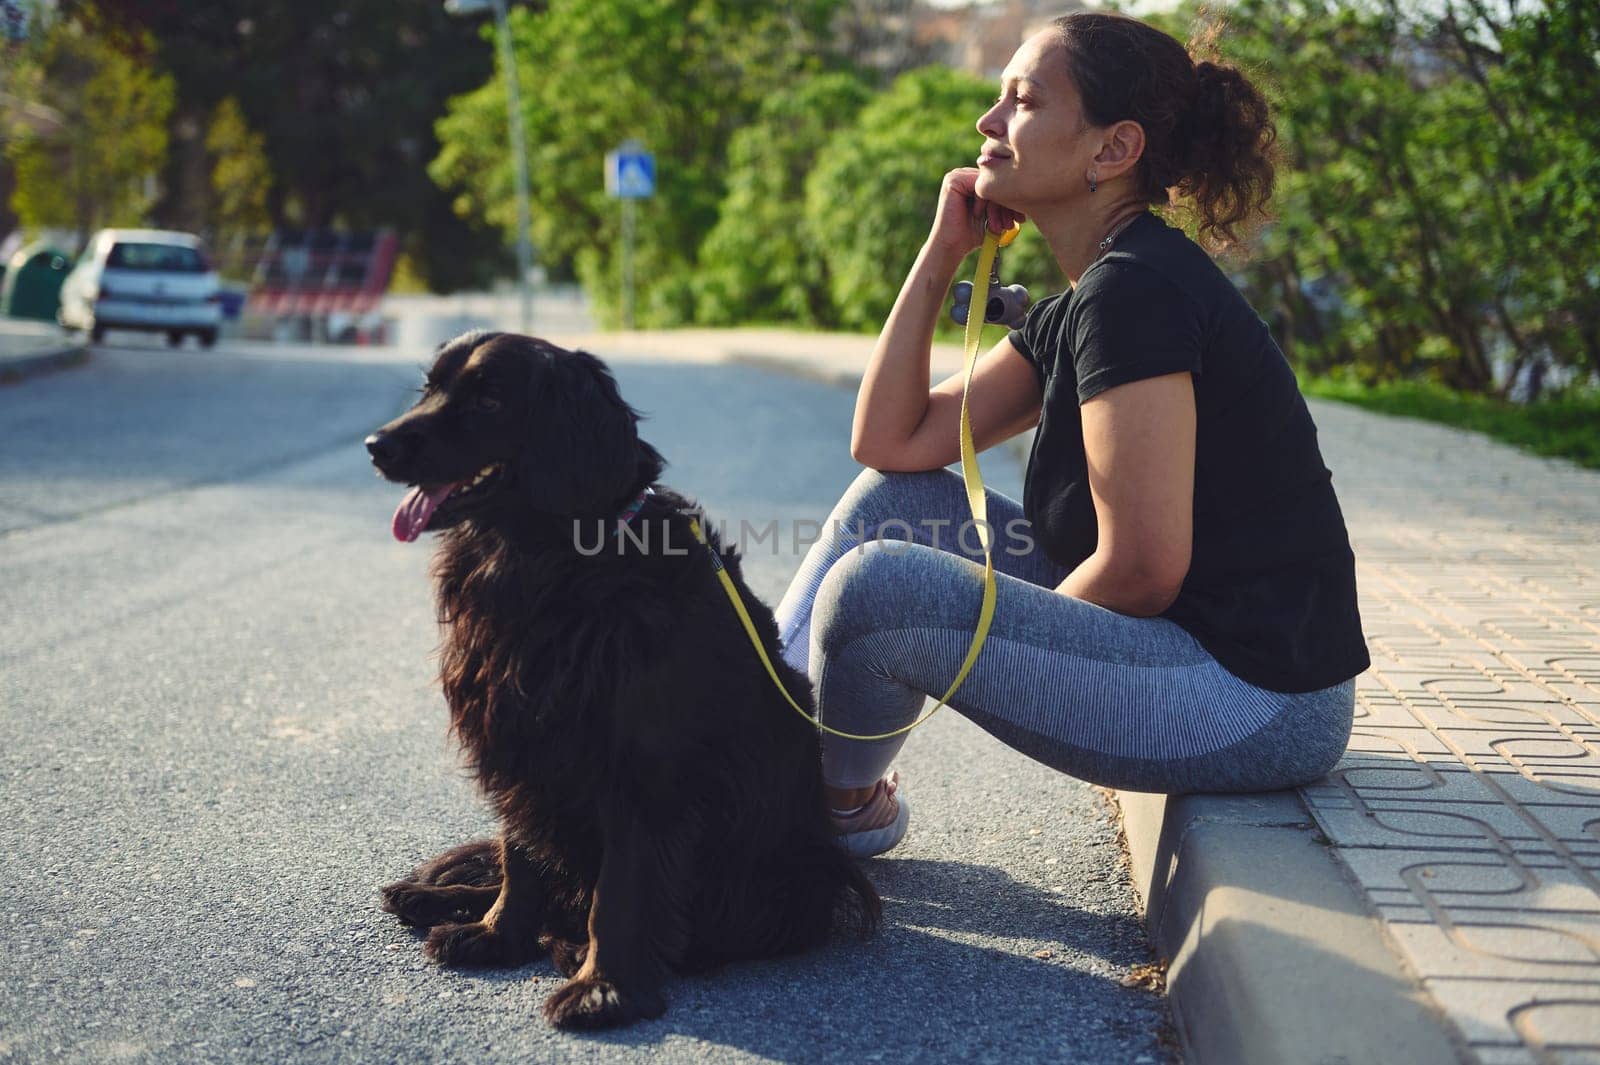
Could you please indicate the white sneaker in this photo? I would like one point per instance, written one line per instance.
(878, 824)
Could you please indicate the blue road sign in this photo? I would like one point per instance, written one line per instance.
(631, 173)
(13, 21)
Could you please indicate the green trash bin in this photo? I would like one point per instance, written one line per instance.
(33, 279)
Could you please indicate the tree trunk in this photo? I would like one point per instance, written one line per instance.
(186, 204)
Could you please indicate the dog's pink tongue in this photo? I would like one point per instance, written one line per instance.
(412, 515)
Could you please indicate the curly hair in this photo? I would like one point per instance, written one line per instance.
(1210, 142)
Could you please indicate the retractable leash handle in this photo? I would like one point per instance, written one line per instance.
(1005, 305)
(976, 501)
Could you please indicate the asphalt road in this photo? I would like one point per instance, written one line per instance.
(220, 732)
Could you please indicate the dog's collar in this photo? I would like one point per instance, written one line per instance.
(632, 508)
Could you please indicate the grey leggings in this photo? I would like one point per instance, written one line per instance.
(880, 618)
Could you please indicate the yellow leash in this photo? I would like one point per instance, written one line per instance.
(975, 500)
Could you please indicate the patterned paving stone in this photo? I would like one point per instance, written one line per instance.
(1468, 805)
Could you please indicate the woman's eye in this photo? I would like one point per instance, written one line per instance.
(487, 403)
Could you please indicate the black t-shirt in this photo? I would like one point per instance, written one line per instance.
(1271, 588)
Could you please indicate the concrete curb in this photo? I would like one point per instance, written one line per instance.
(14, 368)
(1273, 955)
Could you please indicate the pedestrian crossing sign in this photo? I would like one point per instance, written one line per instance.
(631, 172)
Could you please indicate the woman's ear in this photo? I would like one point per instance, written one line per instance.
(1121, 151)
(583, 439)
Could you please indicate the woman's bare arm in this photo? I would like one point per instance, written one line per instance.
(1005, 400)
(894, 399)
(1140, 442)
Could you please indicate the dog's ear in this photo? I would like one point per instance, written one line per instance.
(583, 439)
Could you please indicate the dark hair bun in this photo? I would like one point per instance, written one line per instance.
(1226, 144)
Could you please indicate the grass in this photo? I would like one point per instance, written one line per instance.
(1562, 426)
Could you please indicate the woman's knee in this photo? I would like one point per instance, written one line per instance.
(862, 591)
(877, 496)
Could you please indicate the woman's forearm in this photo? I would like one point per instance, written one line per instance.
(894, 388)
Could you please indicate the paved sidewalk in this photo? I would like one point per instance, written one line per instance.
(1437, 897)
(1468, 806)
(28, 347)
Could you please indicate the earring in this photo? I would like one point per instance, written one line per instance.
(1093, 184)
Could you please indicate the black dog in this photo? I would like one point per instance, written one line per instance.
(661, 804)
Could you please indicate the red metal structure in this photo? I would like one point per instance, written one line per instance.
(297, 273)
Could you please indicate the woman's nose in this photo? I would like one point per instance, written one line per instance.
(989, 123)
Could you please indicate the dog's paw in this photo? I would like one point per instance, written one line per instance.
(477, 945)
(567, 955)
(596, 1003)
(423, 905)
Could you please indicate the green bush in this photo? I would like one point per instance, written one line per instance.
(756, 263)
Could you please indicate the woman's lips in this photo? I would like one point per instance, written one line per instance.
(990, 158)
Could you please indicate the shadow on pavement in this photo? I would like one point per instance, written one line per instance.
(926, 981)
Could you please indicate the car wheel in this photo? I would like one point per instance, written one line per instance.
(208, 338)
(97, 332)
(174, 338)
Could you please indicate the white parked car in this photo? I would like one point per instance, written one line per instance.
(155, 280)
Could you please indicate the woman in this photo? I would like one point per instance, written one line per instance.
(1185, 619)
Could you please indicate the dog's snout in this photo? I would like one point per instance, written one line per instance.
(386, 448)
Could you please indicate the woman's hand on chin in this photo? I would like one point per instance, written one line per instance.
(959, 225)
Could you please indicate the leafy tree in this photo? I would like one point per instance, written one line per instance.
(344, 97)
(679, 76)
(757, 263)
(1440, 185)
(240, 175)
(94, 168)
(1536, 77)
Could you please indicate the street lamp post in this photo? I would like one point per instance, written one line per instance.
(519, 153)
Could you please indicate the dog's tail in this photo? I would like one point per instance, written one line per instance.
(475, 864)
(857, 907)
